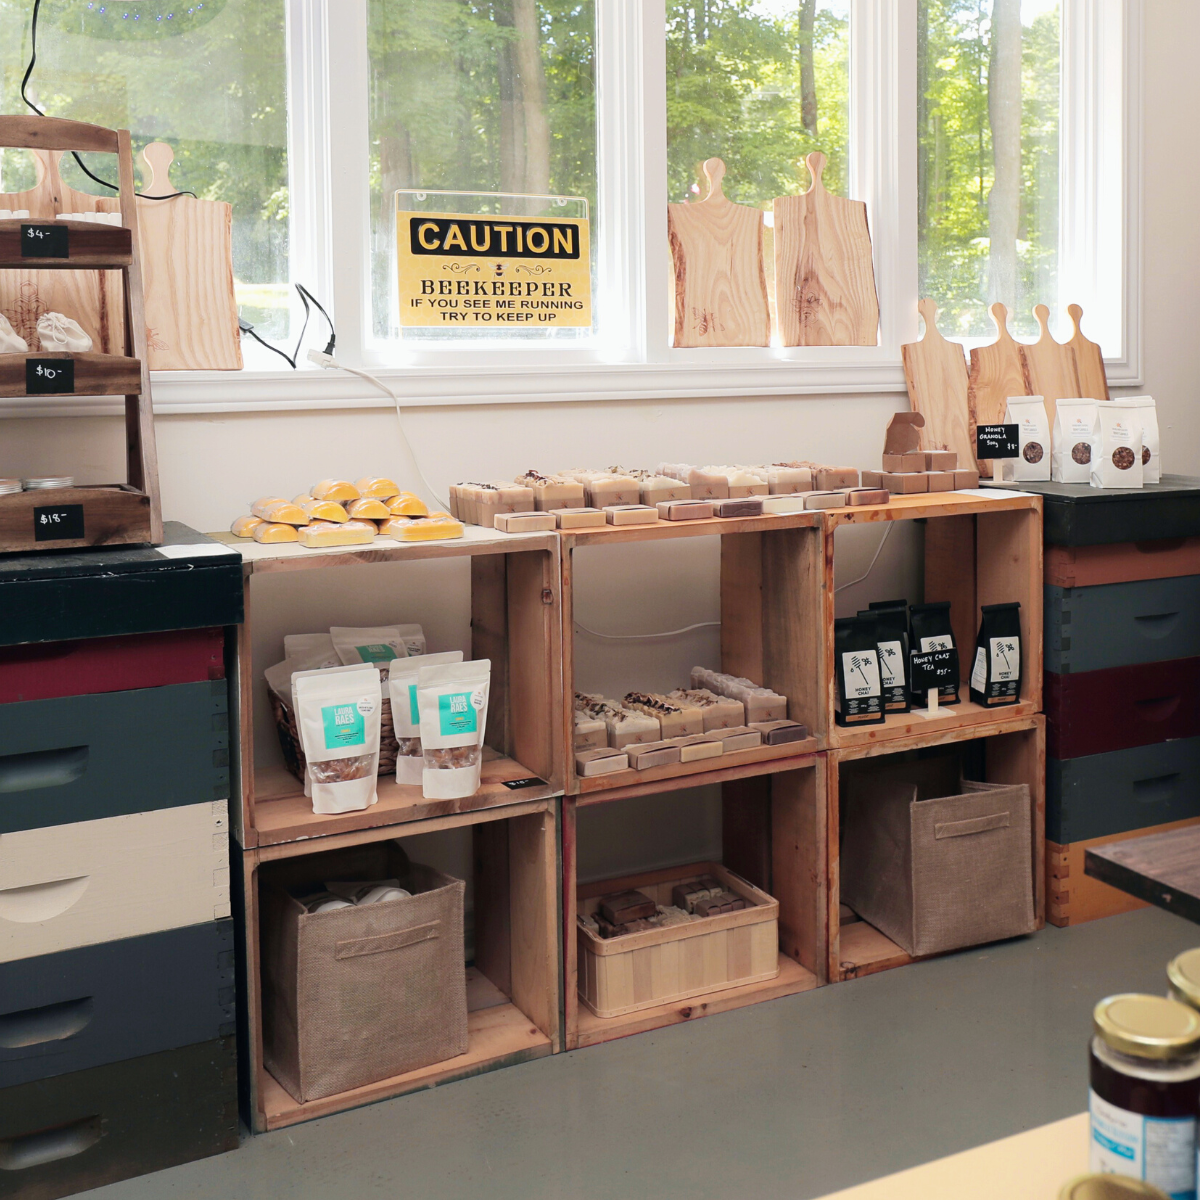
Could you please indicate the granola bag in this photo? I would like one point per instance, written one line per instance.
(406, 716)
(1074, 422)
(1028, 413)
(452, 700)
(1148, 415)
(377, 644)
(1117, 446)
(338, 711)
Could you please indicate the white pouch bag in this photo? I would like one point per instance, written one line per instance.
(452, 700)
(314, 647)
(1148, 414)
(1028, 413)
(377, 644)
(337, 712)
(1117, 446)
(1074, 423)
(406, 716)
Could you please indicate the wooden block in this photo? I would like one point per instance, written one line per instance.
(748, 506)
(906, 483)
(779, 733)
(524, 522)
(654, 754)
(940, 481)
(867, 495)
(965, 477)
(828, 478)
(940, 460)
(792, 503)
(697, 747)
(739, 738)
(578, 518)
(825, 500)
(603, 760)
(685, 510)
(630, 514)
(904, 462)
(623, 907)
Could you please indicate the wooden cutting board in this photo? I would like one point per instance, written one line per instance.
(187, 273)
(1089, 360)
(824, 273)
(1050, 366)
(997, 372)
(720, 282)
(936, 373)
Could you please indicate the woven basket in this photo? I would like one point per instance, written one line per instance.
(293, 752)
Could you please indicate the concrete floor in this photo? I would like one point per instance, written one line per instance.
(792, 1099)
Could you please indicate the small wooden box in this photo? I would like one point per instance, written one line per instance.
(641, 970)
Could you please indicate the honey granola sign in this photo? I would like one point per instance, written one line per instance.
(498, 272)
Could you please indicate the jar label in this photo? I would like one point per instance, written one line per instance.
(1159, 1150)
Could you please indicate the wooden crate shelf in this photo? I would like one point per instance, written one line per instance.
(91, 245)
(513, 988)
(95, 374)
(113, 515)
(1014, 751)
(514, 582)
(775, 838)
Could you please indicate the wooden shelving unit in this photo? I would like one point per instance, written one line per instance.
(104, 515)
(513, 988)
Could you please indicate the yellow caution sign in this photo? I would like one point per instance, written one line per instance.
(502, 272)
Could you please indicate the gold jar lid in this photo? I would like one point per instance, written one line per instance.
(1147, 1026)
(1184, 973)
(1110, 1187)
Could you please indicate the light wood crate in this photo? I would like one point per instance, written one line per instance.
(641, 970)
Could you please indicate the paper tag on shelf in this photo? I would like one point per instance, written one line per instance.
(197, 550)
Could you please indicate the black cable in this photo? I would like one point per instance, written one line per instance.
(37, 5)
(293, 358)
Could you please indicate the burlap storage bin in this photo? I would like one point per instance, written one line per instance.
(941, 873)
(357, 995)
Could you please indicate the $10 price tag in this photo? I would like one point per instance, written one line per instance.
(49, 376)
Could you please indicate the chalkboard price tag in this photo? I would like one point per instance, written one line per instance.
(45, 241)
(933, 669)
(58, 523)
(997, 441)
(529, 781)
(49, 376)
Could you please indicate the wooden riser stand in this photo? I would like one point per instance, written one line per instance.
(94, 515)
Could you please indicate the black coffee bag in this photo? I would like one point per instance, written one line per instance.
(996, 673)
(891, 634)
(856, 665)
(929, 629)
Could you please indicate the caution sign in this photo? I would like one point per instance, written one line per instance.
(501, 272)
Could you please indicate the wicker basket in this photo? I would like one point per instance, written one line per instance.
(357, 995)
(293, 752)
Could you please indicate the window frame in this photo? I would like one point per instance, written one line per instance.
(630, 358)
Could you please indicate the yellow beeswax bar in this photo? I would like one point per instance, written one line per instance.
(334, 489)
(275, 511)
(368, 509)
(326, 533)
(408, 505)
(326, 510)
(377, 488)
(245, 526)
(270, 533)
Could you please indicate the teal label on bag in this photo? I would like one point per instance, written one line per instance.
(344, 726)
(376, 652)
(413, 711)
(456, 714)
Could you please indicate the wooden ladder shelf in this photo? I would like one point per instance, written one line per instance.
(95, 514)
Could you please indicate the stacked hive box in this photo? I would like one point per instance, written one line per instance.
(117, 991)
(1122, 685)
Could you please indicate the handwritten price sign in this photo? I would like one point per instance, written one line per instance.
(58, 523)
(45, 241)
(49, 376)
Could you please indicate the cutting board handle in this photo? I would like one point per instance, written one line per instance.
(1041, 313)
(158, 157)
(929, 311)
(1075, 312)
(1000, 320)
(714, 172)
(816, 168)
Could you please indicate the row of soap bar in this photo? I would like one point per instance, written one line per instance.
(908, 483)
(96, 218)
(642, 756)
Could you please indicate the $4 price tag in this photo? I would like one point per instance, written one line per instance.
(45, 241)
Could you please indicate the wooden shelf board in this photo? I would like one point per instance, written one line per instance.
(291, 556)
(499, 1036)
(95, 374)
(762, 760)
(710, 527)
(114, 514)
(282, 813)
(792, 978)
(866, 951)
(933, 504)
(93, 246)
(965, 716)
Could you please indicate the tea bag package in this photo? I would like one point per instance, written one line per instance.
(891, 635)
(406, 715)
(856, 664)
(1117, 446)
(929, 629)
(996, 673)
(1074, 423)
(337, 711)
(1028, 413)
(452, 700)
(1148, 415)
(377, 644)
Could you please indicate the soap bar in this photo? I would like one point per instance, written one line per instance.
(602, 490)
(676, 718)
(829, 478)
(825, 500)
(603, 760)
(718, 712)
(328, 510)
(376, 487)
(707, 485)
(408, 505)
(552, 492)
(276, 510)
(626, 726)
(872, 479)
(739, 738)
(749, 507)
(657, 489)
(579, 518)
(779, 733)
(742, 482)
(653, 754)
(965, 477)
(784, 480)
(685, 510)
(366, 508)
(244, 527)
(865, 495)
(785, 504)
(697, 747)
(327, 533)
(724, 902)
(590, 732)
(270, 533)
(941, 460)
(631, 514)
(624, 907)
(940, 481)
(437, 526)
(904, 462)
(761, 703)
(333, 489)
(526, 522)
(904, 483)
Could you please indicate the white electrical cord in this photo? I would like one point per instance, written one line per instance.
(879, 550)
(331, 363)
(641, 637)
